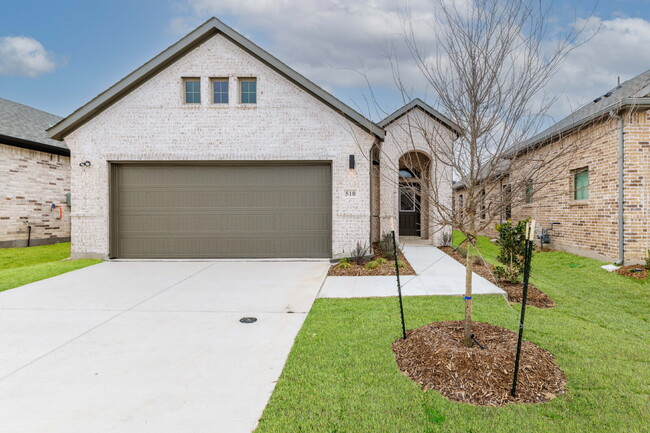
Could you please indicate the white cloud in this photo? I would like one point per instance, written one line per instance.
(330, 41)
(25, 56)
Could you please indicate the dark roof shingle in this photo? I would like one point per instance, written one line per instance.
(25, 123)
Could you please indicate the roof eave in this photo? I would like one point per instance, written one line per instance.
(168, 56)
(33, 145)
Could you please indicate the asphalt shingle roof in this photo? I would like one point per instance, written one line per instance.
(635, 88)
(27, 123)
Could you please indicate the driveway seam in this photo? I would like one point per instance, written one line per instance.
(99, 324)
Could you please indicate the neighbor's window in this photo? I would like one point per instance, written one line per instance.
(192, 90)
(219, 90)
(529, 192)
(248, 90)
(581, 185)
(483, 208)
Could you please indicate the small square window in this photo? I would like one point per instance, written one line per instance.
(248, 90)
(192, 90)
(581, 185)
(220, 91)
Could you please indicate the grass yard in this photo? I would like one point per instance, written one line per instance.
(20, 266)
(341, 374)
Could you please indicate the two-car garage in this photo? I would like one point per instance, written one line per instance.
(220, 210)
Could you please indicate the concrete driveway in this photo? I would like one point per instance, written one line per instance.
(150, 346)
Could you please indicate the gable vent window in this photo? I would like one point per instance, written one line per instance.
(219, 90)
(192, 90)
(248, 90)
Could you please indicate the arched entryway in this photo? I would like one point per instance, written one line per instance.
(413, 176)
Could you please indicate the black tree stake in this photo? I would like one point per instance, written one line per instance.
(528, 252)
(399, 287)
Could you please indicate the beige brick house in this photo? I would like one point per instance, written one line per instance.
(35, 178)
(215, 148)
(602, 198)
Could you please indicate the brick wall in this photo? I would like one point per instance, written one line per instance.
(32, 182)
(153, 124)
(405, 136)
(590, 227)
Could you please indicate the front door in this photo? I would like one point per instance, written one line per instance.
(409, 210)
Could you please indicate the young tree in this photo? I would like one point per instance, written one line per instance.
(487, 63)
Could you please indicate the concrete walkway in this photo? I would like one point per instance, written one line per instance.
(437, 274)
(150, 347)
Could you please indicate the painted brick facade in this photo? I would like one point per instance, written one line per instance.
(152, 123)
(32, 182)
(401, 140)
(590, 227)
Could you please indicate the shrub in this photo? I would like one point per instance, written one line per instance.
(373, 265)
(400, 264)
(386, 245)
(446, 239)
(381, 260)
(344, 263)
(476, 260)
(512, 248)
(359, 253)
(462, 251)
(646, 258)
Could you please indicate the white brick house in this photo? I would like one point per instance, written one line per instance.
(185, 158)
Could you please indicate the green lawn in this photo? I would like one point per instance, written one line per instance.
(341, 375)
(20, 266)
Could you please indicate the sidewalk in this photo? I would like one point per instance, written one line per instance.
(437, 274)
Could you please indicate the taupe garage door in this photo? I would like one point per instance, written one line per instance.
(220, 211)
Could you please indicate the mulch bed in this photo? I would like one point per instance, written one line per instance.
(536, 297)
(634, 271)
(435, 357)
(387, 268)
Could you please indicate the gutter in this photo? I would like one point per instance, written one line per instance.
(32, 145)
(621, 186)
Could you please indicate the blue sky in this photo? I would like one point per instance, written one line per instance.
(80, 48)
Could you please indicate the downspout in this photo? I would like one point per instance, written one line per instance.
(621, 178)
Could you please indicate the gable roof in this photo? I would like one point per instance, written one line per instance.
(208, 29)
(24, 126)
(419, 103)
(630, 94)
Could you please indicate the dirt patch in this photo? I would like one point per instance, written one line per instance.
(387, 268)
(435, 357)
(515, 291)
(634, 271)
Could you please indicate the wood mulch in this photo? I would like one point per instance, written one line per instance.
(536, 297)
(435, 357)
(387, 268)
(634, 271)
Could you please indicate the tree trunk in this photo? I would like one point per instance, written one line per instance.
(468, 292)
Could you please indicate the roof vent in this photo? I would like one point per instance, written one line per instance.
(607, 95)
(598, 99)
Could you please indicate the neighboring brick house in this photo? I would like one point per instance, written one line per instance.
(214, 148)
(584, 198)
(35, 177)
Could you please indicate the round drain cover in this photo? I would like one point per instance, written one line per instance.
(248, 320)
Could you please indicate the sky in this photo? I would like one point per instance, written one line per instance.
(58, 55)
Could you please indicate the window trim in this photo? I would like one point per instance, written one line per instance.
(214, 80)
(191, 80)
(576, 173)
(529, 191)
(242, 80)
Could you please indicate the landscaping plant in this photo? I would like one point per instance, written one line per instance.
(359, 253)
(512, 250)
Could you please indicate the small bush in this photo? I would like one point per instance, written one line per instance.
(646, 258)
(462, 251)
(359, 253)
(512, 247)
(381, 260)
(372, 265)
(386, 245)
(401, 264)
(344, 263)
(476, 260)
(505, 273)
(446, 239)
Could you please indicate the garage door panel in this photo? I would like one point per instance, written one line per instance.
(183, 211)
